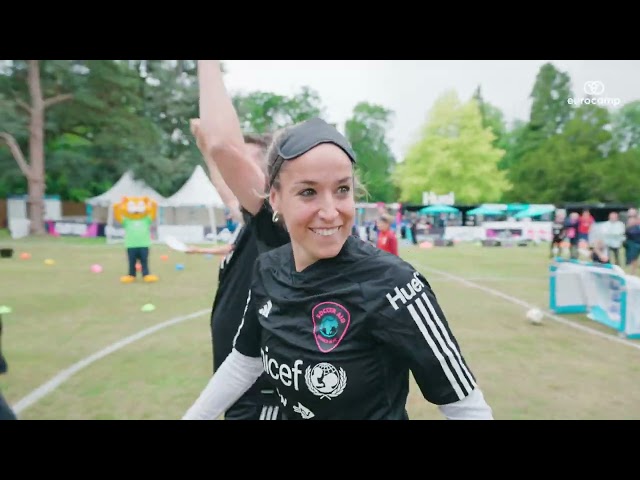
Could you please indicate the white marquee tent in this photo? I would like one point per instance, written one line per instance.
(101, 206)
(185, 213)
(126, 186)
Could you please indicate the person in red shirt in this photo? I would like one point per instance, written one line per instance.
(387, 239)
(584, 225)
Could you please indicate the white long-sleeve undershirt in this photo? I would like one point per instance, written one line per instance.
(234, 377)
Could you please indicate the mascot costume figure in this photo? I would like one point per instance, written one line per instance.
(136, 214)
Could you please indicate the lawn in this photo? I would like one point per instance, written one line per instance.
(64, 313)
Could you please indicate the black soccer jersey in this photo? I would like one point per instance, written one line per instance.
(339, 339)
(233, 279)
(235, 276)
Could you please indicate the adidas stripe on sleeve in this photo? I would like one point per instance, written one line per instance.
(412, 324)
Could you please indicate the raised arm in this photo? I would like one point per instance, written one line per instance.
(223, 138)
(227, 196)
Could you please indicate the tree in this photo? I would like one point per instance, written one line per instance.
(106, 130)
(620, 170)
(620, 177)
(113, 124)
(550, 112)
(626, 127)
(169, 94)
(511, 141)
(34, 169)
(492, 118)
(567, 166)
(454, 154)
(266, 112)
(367, 130)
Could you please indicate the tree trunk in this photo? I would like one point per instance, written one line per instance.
(35, 169)
(35, 181)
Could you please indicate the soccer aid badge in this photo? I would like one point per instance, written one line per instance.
(330, 323)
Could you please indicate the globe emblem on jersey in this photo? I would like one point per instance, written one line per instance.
(325, 380)
(328, 326)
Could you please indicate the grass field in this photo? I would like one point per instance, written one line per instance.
(63, 313)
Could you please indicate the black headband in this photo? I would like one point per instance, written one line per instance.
(302, 138)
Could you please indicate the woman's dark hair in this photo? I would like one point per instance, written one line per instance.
(261, 139)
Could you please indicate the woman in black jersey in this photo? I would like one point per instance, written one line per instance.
(336, 324)
(257, 233)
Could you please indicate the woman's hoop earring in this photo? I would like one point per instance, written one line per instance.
(275, 217)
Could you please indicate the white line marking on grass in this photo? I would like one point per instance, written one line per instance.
(498, 279)
(64, 375)
(524, 304)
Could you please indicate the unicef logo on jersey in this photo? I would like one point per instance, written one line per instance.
(330, 323)
(325, 380)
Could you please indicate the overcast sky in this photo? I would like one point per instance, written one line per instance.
(410, 87)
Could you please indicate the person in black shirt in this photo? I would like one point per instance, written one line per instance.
(413, 227)
(337, 324)
(558, 231)
(234, 277)
(6, 412)
(632, 244)
(571, 233)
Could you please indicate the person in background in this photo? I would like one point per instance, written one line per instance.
(6, 413)
(219, 249)
(632, 244)
(387, 239)
(413, 227)
(234, 277)
(231, 224)
(240, 162)
(559, 232)
(613, 232)
(584, 225)
(599, 252)
(571, 229)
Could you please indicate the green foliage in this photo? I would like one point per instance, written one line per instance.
(134, 114)
(492, 118)
(266, 112)
(367, 132)
(549, 109)
(567, 166)
(620, 177)
(454, 154)
(549, 113)
(626, 127)
(124, 115)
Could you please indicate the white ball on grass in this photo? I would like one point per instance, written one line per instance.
(535, 316)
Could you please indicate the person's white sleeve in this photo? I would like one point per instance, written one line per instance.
(471, 407)
(234, 377)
